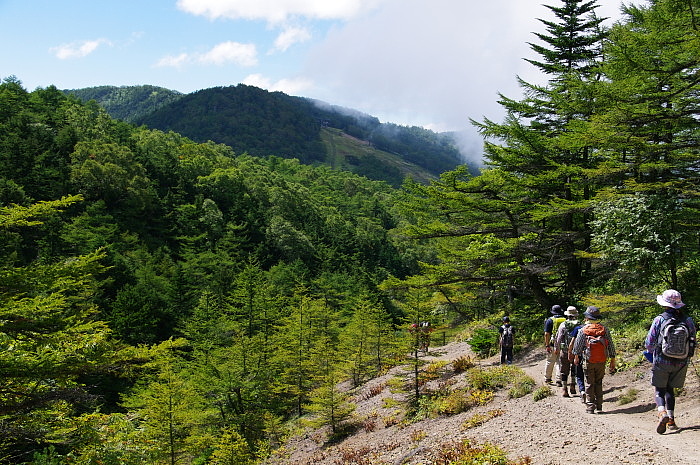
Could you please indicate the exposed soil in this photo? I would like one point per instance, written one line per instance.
(552, 431)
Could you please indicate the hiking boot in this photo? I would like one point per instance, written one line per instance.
(583, 397)
(548, 381)
(590, 409)
(599, 409)
(558, 383)
(572, 388)
(672, 424)
(663, 422)
(564, 391)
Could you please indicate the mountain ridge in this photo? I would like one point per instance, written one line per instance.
(262, 123)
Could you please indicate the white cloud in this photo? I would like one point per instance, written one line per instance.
(170, 61)
(231, 52)
(276, 11)
(244, 55)
(288, 86)
(435, 64)
(77, 49)
(290, 36)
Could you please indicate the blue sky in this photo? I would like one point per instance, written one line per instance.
(432, 63)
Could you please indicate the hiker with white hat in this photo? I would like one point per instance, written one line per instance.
(671, 343)
(551, 324)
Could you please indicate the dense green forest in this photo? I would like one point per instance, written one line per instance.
(128, 103)
(165, 300)
(262, 123)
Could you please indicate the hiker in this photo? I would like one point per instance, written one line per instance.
(425, 330)
(505, 341)
(595, 346)
(561, 344)
(551, 324)
(577, 369)
(671, 343)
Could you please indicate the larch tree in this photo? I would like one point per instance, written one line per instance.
(51, 340)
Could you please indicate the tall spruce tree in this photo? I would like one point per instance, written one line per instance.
(546, 167)
(648, 124)
(537, 147)
(515, 229)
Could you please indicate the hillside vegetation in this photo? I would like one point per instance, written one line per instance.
(129, 103)
(261, 123)
(348, 153)
(167, 300)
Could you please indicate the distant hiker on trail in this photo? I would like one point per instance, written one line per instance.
(550, 326)
(421, 333)
(671, 341)
(505, 341)
(594, 345)
(561, 344)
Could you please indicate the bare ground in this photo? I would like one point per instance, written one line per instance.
(552, 431)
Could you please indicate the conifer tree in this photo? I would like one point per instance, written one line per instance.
(648, 124)
(367, 340)
(170, 407)
(51, 339)
(293, 361)
(538, 149)
(328, 403)
(517, 226)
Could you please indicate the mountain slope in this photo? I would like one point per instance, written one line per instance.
(245, 118)
(262, 123)
(554, 430)
(127, 103)
(349, 153)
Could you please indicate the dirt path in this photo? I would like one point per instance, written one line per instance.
(553, 431)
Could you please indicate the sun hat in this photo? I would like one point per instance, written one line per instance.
(592, 313)
(571, 311)
(670, 298)
(556, 310)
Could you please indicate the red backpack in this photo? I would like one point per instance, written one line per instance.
(596, 343)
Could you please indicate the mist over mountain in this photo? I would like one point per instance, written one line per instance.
(262, 123)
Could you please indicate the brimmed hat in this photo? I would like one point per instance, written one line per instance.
(556, 310)
(571, 311)
(592, 313)
(670, 298)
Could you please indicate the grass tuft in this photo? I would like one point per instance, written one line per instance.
(542, 392)
(630, 395)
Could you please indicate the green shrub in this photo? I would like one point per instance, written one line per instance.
(467, 453)
(455, 402)
(462, 364)
(541, 392)
(522, 386)
(484, 341)
(493, 378)
(479, 419)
